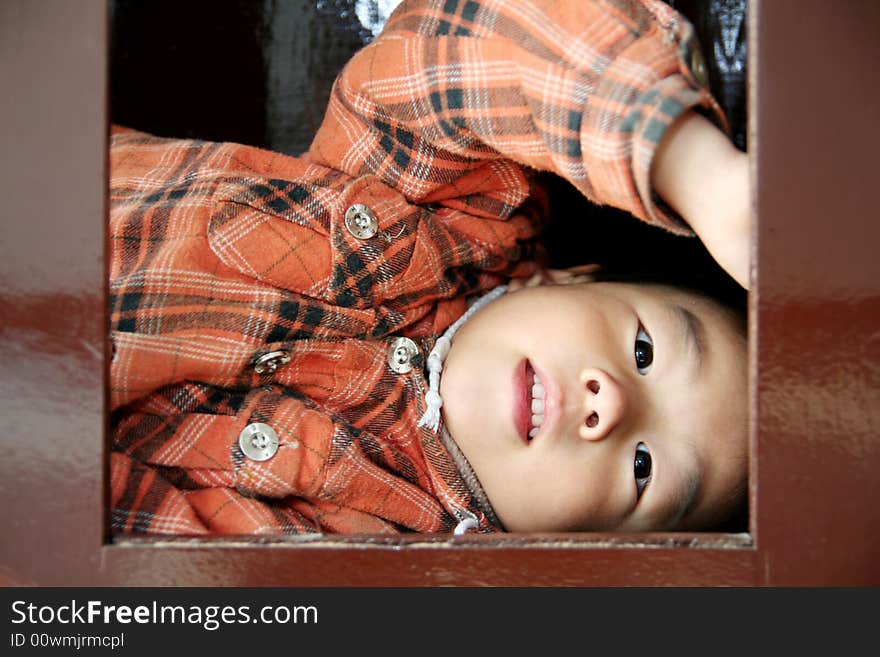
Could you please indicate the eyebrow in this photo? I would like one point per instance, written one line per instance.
(694, 333)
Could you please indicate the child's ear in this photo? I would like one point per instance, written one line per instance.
(569, 276)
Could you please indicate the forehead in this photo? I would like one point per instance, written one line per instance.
(720, 432)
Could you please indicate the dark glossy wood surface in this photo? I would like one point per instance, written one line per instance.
(817, 371)
(815, 338)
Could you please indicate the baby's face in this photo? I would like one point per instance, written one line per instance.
(601, 406)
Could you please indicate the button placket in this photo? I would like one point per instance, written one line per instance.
(361, 221)
(401, 353)
(271, 361)
(258, 441)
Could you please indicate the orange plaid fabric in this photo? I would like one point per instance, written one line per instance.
(222, 253)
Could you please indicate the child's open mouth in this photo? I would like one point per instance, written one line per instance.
(529, 406)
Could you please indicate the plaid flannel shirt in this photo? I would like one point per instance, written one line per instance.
(225, 255)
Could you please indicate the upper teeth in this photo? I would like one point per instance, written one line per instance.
(537, 406)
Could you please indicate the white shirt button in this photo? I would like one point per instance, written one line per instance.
(271, 361)
(400, 355)
(361, 221)
(258, 441)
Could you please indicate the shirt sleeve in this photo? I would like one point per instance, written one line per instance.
(458, 100)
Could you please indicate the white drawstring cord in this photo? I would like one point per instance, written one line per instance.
(431, 417)
(462, 527)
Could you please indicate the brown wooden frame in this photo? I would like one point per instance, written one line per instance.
(814, 343)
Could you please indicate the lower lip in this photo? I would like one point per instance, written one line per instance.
(523, 378)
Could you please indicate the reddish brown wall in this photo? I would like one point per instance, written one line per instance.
(818, 302)
(52, 122)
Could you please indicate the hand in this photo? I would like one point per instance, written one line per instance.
(700, 173)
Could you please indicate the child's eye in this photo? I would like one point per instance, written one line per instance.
(642, 468)
(644, 351)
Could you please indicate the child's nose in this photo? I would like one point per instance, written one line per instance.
(605, 404)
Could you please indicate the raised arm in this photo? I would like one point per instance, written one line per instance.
(462, 98)
(700, 173)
